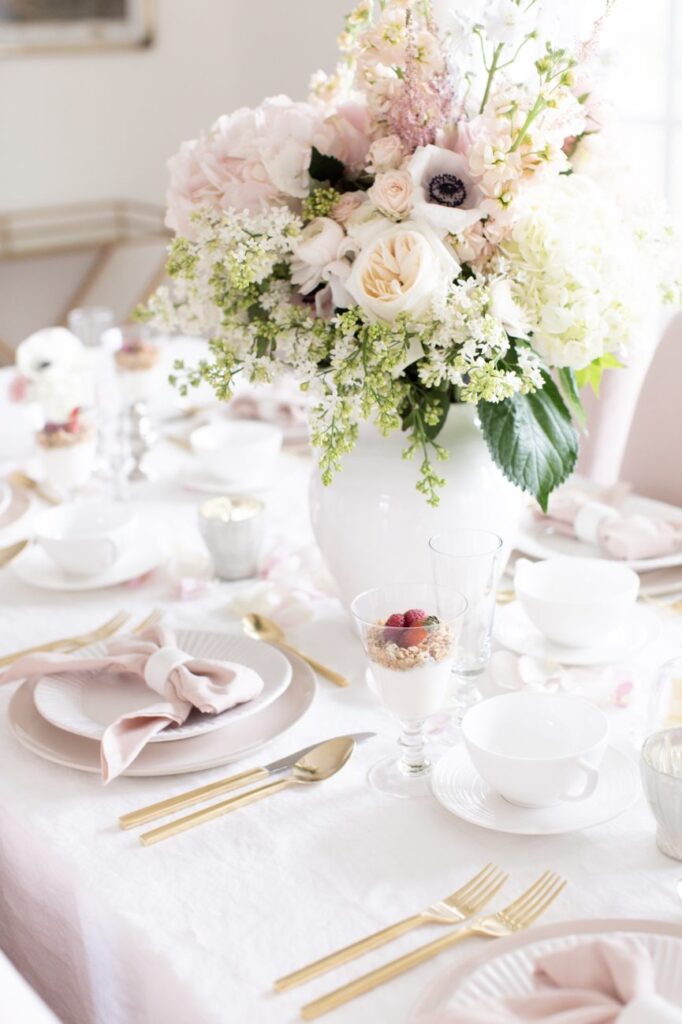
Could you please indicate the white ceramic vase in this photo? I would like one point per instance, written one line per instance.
(373, 526)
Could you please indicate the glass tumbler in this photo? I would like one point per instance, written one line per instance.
(468, 560)
(661, 765)
(410, 634)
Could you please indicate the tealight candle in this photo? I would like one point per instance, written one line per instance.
(233, 529)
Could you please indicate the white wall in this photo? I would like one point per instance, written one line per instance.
(90, 126)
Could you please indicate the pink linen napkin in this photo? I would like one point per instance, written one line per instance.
(597, 982)
(183, 683)
(576, 513)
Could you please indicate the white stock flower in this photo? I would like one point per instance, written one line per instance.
(507, 22)
(446, 196)
(402, 270)
(315, 248)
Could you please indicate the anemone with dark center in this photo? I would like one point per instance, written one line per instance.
(447, 190)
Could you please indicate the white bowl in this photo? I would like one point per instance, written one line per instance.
(86, 538)
(537, 749)
(237, 451)
(576, 601)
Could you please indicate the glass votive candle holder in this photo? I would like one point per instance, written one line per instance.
(233, 529)
(661, 766)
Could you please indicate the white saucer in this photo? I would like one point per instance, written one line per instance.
(460, 789)
(85, 705)
(194, 478)
(507, 970)
(515, 631)
(146, 552)
(191, 755)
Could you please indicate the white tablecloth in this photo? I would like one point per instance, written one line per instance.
(197, 928)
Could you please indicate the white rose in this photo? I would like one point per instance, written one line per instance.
(316, 247)
(392, 194)
(347, 205)
(507, 22)
(401, 271)
(385, 154)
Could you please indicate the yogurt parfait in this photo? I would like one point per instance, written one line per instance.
(67, 452)
(137, 364)
(410, 655)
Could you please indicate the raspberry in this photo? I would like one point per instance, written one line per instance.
(397, 619)
(415, 617)
(413, 636)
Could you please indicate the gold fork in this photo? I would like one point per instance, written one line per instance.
(519, 914)
(72, 643)
(151, 620)
(455, 908)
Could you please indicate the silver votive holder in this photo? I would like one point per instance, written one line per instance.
(233, 529)
(661, 766)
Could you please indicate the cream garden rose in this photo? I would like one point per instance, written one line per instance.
(385, 154)
(405, 269)
(391, 193)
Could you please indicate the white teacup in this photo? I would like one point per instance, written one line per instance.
(537, 749)
(86, 538)
(237, 452)
(576, 602)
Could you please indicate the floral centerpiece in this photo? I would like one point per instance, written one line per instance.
(427, 229)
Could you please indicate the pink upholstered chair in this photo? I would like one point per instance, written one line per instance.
(635, 429)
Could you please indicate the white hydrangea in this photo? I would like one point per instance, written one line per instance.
(577, 273)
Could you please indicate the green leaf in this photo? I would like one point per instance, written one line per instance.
(531, 439)
(571, 395)
(324, 167)
(591, 375)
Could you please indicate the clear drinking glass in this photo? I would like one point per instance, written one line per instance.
(661, 766)
(468, 560)
(410, 664)
(90, 322)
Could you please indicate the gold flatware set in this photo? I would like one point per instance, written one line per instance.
(518, 915)
(27, 483)
(311, 764)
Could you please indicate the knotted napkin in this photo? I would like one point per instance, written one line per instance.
(576, 513)
(601, 982)
(182, 681)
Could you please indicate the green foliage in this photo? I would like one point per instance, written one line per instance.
(531, 439)
(325, 168)
(591, 375)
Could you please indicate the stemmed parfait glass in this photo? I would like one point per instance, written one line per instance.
(410, 634)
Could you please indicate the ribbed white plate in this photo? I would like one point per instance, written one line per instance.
(145, 552)
(535, 540)
(505, 968)
(515, 631)
(459, 788)
(86, 704)
(6, 494)
(192, 755)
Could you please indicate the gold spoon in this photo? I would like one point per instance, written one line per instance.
(318, 764)
(260, 628)
(11, 551)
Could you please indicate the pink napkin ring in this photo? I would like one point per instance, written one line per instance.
(160, 665)
(589, 519)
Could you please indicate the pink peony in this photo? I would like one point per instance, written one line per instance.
(248, 160)
(345, 135)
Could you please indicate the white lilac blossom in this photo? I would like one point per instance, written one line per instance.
(437, 224)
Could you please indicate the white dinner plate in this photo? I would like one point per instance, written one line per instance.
(86, 704)
(146, 551)
(507, 969)
(192, 755)
(537, 541)
(6, 493)
(17, 507)
(461, 790)
(515, 631)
